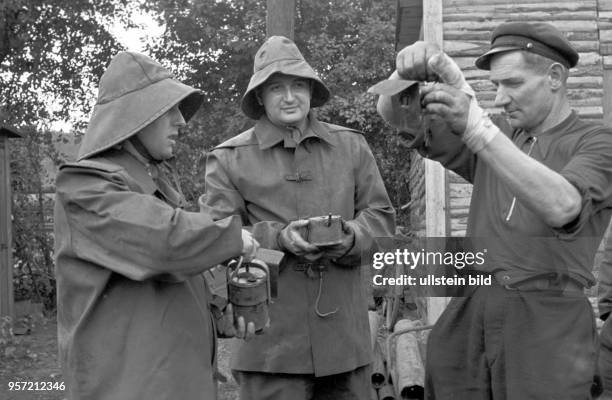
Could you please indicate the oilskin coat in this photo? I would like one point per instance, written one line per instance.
(133, 307)
(269, 179)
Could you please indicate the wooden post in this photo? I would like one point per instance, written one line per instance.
(436, 194)
(280, 18)
(6, 239)
(607, 90)
(607, 95)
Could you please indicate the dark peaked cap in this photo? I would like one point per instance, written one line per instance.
(539, 38)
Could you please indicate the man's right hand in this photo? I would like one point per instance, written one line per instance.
(290, 239)
(249, 245)
(412, 62)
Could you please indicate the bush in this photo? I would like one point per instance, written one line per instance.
(33, 266)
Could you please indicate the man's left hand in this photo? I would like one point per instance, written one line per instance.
(227, 327)
(338, 250)
(448, 103)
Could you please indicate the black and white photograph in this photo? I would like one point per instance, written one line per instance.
(305, 200)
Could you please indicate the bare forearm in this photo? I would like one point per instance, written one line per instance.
(544, 191)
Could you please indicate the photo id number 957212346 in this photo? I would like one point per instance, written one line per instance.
(35, 386)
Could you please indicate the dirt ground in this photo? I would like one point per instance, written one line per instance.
(33, 358)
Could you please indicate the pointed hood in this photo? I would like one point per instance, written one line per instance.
(133, 92)
(280, 55)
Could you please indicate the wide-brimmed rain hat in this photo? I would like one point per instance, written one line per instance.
(280, 55)
(133, 92)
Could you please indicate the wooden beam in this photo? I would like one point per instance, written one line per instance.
(6, 246)
(604, 30)
(435, 175)
(607, 95)
(436, 194)
(280, 18)
(432, 22)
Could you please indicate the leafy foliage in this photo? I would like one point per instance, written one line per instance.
(32, 212)
(51, 53)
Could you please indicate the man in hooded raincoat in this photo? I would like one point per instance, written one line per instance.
(289, 167)
(134, 318)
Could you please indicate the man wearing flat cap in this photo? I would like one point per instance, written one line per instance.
(133, 309)
(287, 168)
(541, 201)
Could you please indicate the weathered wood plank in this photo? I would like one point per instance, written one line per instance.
(604, 5)
(456, 182)
(539, 15)
(605, 35)
(564, 26)
(280, 18)
(468, 5)
(576, 91)
(476, 48)
(595, 112)
(604, 15)
(459, 203)
(607, 98)
(578, 98)
(511, 8)
(436, 196)
(590, 112)
(6, 242)
(584, 82)
(485, 36)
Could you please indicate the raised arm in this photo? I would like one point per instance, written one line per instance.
(138, 235)
(546, 192)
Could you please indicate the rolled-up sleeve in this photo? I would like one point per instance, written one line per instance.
(604, 292)
(590, 171)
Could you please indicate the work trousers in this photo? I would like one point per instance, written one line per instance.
(605, 360)
(352, 385)
(507, 344)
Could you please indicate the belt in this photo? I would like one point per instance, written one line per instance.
(304, 266)
(311, 268)
(555, 281)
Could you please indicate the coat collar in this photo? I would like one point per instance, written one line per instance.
(135, 167)
(269, 135)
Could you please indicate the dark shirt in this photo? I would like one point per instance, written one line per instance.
(604, 292)
(518, 240)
